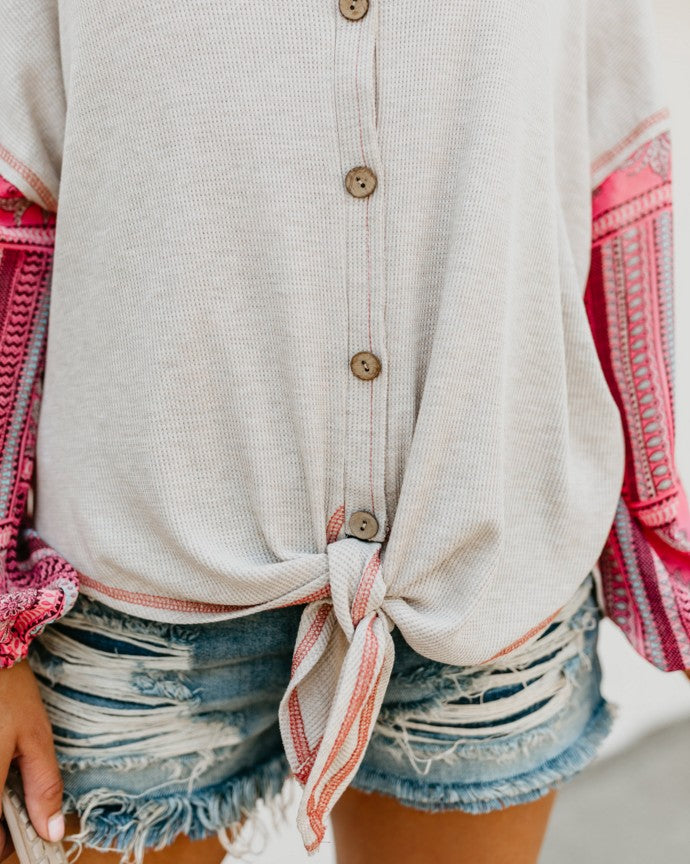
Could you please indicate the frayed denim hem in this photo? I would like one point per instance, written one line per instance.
(485, 797)
(113, 820)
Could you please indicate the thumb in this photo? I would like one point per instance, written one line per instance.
(42, 781)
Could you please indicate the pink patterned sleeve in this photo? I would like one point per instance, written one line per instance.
(645, 563)
(37, 586)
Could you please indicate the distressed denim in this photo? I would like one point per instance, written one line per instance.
(162, 729)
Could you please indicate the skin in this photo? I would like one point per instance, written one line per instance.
(368, 828)
(26, 736)
(375, 829)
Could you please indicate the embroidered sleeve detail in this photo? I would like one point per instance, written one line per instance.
(645, 562)
(37, 586)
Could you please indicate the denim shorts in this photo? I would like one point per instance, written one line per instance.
(162, 729)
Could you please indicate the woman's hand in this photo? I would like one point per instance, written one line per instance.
(26, 734)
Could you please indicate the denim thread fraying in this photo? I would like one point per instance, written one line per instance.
(485, 797)
(115, 820)
(535, 688)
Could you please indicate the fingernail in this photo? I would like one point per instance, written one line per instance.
(56, 827)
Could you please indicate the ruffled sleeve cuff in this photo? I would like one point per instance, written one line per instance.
(43, 589)
(645, 570)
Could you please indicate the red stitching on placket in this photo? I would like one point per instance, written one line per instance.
(367, 235)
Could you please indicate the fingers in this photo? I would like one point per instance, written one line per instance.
(27, 729)
(41, 778)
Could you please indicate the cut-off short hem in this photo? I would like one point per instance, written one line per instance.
(162, 730)
(475, 798)
(117, 822)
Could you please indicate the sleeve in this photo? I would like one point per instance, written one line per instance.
(629, 298)
(37, 586)
(32, 99)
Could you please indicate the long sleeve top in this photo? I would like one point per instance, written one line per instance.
(363, 306)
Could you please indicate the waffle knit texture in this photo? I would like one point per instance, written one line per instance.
(202, 441)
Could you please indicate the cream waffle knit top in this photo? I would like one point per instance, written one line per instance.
(317, 330)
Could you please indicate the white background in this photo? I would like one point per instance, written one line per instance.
(647, 698)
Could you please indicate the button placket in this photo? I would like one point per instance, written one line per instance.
(363, 222)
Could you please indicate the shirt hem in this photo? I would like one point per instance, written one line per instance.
(26, 180)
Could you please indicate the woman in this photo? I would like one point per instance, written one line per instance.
(358, 372)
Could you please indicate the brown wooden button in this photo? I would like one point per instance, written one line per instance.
(354, 9)
(365, 365)
(363, 524)
(360, 181)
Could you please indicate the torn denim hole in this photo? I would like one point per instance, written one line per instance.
(106, 727)
(88, 614)
(467, 717)
(127, 737)
(113, 675)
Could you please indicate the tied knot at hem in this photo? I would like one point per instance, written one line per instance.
(341, 666)
(356, 582)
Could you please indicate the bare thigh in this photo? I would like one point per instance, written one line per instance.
(370, 828)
